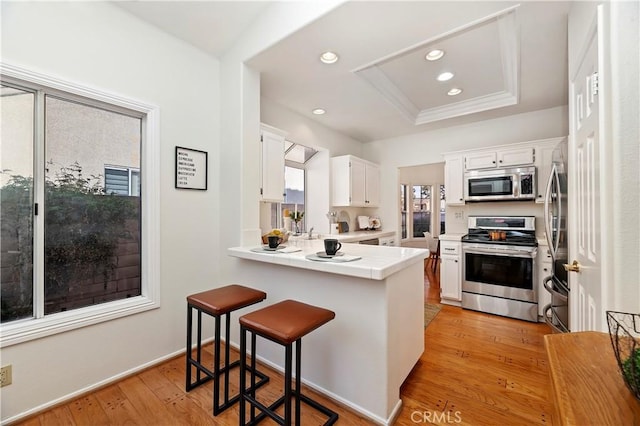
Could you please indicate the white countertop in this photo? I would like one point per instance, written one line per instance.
(376, 263)
(450, 237)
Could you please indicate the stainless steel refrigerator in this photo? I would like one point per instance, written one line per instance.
(556, 314)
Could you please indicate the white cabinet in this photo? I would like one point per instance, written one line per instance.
(480, 160)
(387, 241)
(489, 159)
(355, 182)
(515, 157)
(272, 164)
(544, 270)
(372, 185)
(453, 181)
(450, 272)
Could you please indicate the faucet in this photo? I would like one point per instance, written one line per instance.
(310, 233)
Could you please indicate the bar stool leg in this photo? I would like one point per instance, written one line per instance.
(188, 349)
(287, 385)
(243, 367)
(216, 366)
(298, 379)
(226, 356)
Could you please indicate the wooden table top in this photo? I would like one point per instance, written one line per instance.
(588, 388)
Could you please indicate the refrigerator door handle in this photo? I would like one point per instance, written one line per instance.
(559, 212)
(553, 292)
(547, 217)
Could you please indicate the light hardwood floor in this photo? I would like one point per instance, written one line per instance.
(477, 369)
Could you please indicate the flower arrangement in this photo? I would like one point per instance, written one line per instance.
(296, 216)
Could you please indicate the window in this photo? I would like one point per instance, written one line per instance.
(122, 181)
(404, 196)
(294, 198)
(295, 156)
(443, 209)
(416, 206)
(77, 242)
(421, 210)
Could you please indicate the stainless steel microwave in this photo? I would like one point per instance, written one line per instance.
(500, 184)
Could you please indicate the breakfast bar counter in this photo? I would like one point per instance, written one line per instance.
(361, 357)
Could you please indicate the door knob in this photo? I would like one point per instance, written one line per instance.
(574, 267)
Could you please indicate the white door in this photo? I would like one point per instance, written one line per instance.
(586, 297)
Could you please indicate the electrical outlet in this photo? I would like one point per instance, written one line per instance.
(5, 375)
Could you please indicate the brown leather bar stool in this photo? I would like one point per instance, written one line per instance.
(216, 303)
(285, 323)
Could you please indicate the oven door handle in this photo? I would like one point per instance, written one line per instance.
(524, 255)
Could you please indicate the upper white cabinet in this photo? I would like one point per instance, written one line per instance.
(272, 164)
(480, 160)
(355, 182)
(499, 158)
(515, 157)
(453, 180)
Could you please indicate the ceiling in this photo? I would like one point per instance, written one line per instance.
(507, 58)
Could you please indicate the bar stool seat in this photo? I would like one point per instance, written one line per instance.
(216, 303)
(285, 323)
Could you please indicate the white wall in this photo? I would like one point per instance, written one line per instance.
(427, 148)
(625, 135)
(99, 45)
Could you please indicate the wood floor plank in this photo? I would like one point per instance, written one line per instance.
(58, 416)
(87, 410)
(144, 400)
(118, 408)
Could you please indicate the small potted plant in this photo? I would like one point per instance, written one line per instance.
(296, 216)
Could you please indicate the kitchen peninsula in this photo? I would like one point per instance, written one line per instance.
(363, 356)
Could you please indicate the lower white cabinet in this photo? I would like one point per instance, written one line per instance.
(450, 272)
(387, 241)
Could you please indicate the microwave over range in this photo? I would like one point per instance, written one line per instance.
(513, 184)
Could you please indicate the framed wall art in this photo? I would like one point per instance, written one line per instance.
(191, 169)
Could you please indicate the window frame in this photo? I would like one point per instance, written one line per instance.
(434, 223)
(39, 326)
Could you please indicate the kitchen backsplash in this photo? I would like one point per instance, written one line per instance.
(456, 216)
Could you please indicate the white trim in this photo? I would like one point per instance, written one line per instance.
(379, 81)
(477, 104)
(33, 328)
(510, 95)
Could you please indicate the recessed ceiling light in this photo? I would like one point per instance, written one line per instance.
(318, 111)
(445, 76)
(434, 55)
(455, 91)
(329, 57)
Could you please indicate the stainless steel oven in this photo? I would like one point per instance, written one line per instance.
(499, 267)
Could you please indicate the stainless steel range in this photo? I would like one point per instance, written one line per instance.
(499, 266)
